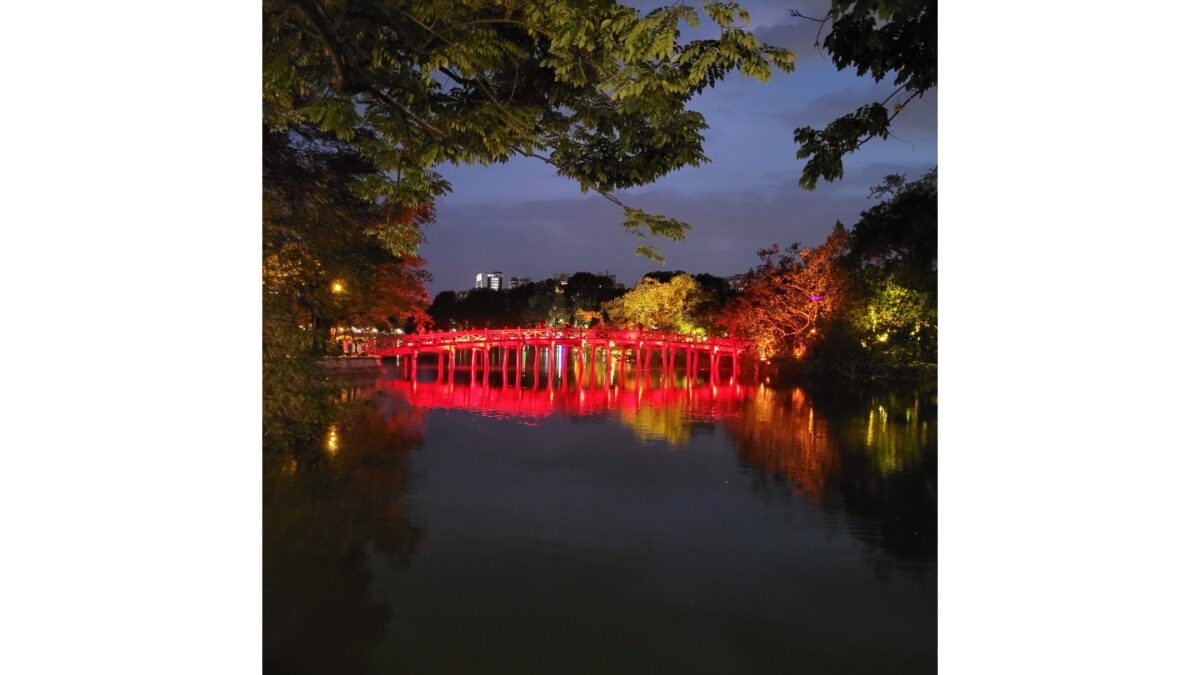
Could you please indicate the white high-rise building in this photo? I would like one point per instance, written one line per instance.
(492, 280)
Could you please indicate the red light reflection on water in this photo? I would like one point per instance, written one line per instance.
(695, 402)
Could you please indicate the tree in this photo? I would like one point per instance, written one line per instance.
(898, 236)
(652, 304)
(596, 89)
(396, 297)
(876, 37)
(891, 321)
(786, 297)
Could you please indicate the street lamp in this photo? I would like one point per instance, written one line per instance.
(338, 288)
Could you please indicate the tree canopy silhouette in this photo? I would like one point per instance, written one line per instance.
(879, 38)
(596, 89)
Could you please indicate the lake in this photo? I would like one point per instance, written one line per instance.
(622, 526)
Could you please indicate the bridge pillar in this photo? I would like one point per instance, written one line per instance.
(608, 365)
(536, 365)
(564, 363)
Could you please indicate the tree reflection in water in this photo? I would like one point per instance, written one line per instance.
(324, 511)
(888, 467)
(872, 455)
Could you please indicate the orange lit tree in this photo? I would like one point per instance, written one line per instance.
(786, 299)
(394, 294)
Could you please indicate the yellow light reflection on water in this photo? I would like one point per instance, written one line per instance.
(332, 442)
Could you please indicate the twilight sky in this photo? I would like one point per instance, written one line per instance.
(524, 220)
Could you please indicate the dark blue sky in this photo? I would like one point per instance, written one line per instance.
(524, 220)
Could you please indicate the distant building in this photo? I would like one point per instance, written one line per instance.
(492, 280)
(513, 282)
(737, 282)
(461, 294)
(561, 279)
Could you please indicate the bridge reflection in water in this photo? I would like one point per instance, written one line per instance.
(579, 394)
(779, 431)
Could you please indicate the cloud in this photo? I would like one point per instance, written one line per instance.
(544, 237)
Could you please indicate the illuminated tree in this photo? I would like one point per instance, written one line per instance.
(786, 298)
(652, 304)
(396, 296)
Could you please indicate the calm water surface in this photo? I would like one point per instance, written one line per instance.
(459, 528)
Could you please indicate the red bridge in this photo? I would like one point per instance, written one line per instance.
(585, 347)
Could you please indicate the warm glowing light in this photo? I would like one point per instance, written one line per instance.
(338, 287)
(332, 443)
(883, 337)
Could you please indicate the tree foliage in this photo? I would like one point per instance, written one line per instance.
(595, 88)
(898, 236)
(877, 38)
(321, 265)
(785, 298)
(316, 233)
(675, 305)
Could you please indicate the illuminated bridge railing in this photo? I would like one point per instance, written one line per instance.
(387, 345)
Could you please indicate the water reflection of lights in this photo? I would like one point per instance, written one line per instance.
(332, 442)
(778, 430)
(512, 401)
(894, 445)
